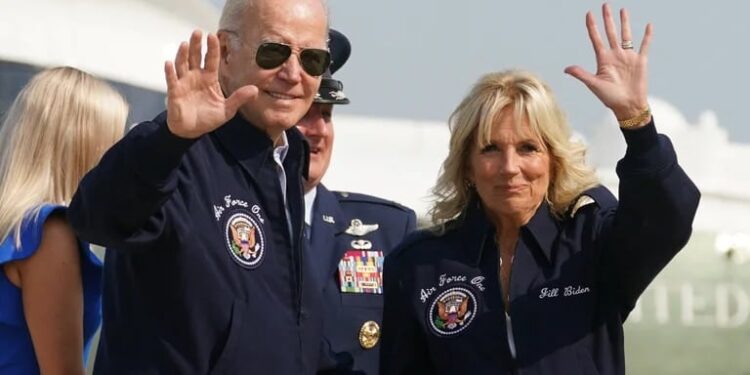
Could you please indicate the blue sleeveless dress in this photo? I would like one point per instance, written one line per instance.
(16, 349)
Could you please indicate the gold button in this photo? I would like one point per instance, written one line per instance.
(369, 334)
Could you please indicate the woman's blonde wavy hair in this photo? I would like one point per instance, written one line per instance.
(55, 131)
(471, 126)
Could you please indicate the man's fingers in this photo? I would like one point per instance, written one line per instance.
(194, 57)
(211, 62)
(181, 60)
(239, 97)
(170, 75)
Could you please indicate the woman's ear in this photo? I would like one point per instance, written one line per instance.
(468, 174)
(469, 181)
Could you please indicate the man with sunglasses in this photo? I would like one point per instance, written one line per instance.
(201, 209)
(349, 234)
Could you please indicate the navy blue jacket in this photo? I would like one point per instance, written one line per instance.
(574, 279)
(201, 274)
(334, 234)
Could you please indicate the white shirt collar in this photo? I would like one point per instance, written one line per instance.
(309, 203)
(280, 151)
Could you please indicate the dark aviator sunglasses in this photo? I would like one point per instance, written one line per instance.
(271, 55)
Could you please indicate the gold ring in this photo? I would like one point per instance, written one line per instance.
(627, 44)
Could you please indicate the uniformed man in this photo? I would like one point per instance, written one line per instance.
(349, 235)
(202, 208)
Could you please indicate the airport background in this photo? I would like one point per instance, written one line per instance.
(411, 64)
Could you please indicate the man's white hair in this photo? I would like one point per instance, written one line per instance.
(233, 15)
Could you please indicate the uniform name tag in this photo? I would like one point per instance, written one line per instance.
(361, 272)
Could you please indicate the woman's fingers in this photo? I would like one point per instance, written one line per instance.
(646, 43)
(596, 39)
(609, 27)
(627, 36)
(581, 74)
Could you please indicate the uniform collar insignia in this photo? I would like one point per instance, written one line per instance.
(329, 219)
(357, 228)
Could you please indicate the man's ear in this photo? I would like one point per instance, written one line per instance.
(224, 49)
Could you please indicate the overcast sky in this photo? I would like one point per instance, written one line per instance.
(416, 59)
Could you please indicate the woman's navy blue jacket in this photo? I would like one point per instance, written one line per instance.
(573, 282)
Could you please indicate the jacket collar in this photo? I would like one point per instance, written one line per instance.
(478, 230)
(253, 148)
(544, 229)
(475, 228)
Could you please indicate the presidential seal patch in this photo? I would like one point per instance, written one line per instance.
(245, 240)
(452, 311)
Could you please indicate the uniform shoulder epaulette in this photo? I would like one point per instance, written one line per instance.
(598, 195)
(346, 197)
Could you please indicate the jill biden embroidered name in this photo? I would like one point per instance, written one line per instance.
(566, 292)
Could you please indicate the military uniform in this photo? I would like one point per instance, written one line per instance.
(202, 272)
(349, 236)
(574, 280)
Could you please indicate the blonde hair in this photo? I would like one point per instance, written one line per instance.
(55, 131)
(472, 123)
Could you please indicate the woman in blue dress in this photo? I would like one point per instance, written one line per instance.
(50, 282)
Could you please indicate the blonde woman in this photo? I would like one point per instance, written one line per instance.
(50, 283)
(534, 266)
